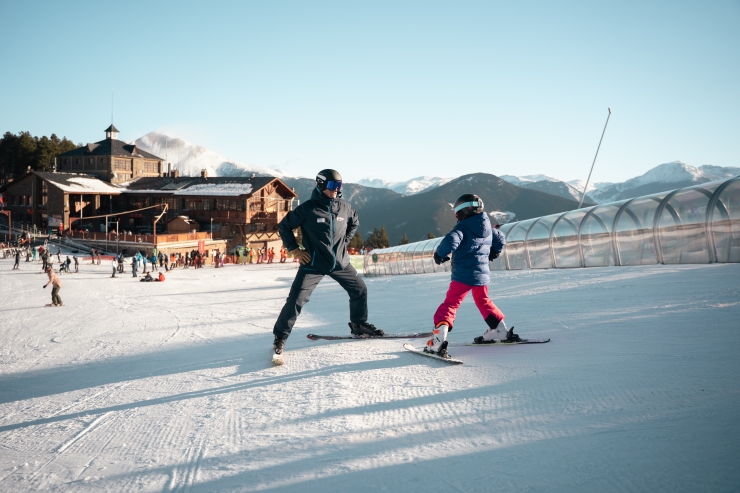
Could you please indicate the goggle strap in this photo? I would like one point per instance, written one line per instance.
(467, 204)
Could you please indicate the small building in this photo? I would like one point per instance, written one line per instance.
(47, 200)
(182, 224)
(111, 160)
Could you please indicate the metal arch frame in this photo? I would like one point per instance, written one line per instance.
(665, 205)
(615, 239)
(618, 216)
(421, 259)
(658, 213)
(526, 243)
(552, 232)
(710, 214)
(549, 242)
(518, 224)
(592, 212)
(506, 239)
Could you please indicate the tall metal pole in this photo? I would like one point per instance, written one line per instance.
(583, 195)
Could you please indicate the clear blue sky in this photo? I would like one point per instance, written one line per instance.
(390, 90)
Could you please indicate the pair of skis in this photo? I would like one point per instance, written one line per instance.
(278, 358)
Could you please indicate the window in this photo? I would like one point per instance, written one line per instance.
(151, 167)
(121, 164)
(229, 204)
(171, 204)
(44, 192)
(136, 202)
(198, 204)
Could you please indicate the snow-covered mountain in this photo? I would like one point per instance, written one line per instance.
(522, 180)
(546, 184)
(190, 158)
(408, 187)
(662, 178)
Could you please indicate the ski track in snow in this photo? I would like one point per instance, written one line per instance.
(168, 386)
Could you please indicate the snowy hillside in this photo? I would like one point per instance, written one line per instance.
(141, 387)
(190, 159)
(408, 187)
(664, 177)
(522, 180)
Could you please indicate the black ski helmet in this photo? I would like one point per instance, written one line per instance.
(327, 175)
(467, 205)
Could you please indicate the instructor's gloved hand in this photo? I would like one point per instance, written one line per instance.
(44, 286)
(302, 255)
(493, 255)
(439, 260)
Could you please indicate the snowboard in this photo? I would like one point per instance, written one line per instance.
(413, 349)
(413, 335)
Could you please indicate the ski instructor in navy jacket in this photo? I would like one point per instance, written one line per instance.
(327, 225)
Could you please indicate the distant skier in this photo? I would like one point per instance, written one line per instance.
(114, 266)
(472, 244)
(327, 224)
(77, 263)
(56, 286)
(17, 263)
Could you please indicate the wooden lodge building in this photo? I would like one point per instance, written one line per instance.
(218, 212)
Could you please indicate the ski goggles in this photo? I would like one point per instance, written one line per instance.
(475, 204)
(334, 185)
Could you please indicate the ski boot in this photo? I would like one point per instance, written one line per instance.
(364, 329)
(438, 343)
(277, 347)
(497, 331)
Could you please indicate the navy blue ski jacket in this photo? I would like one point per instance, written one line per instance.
(469, 243)
(327, 226)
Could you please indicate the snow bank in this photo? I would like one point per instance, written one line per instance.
(168, 387)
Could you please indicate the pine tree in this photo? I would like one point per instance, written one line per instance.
(372, 239)
(404, 240)
(356, 241)
(383, 241)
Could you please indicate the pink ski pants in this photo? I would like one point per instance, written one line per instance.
(455, 296)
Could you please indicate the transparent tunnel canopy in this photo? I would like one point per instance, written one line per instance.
(682, 226)
(516, 252)
(565, 247)
(634, 230)
(698, 224)
(538, 242)
(725, 223)
(597, 245)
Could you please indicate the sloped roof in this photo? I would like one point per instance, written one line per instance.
(111, 128)
(188, 185)
(109, 147)
(78, 183)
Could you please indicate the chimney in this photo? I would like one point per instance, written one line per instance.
(254, 175)
(204, 173)
(169, 169)
(176, 173)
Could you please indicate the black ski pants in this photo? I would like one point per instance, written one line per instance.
(304, 284)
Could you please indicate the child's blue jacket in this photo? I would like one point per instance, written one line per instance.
(470, 242)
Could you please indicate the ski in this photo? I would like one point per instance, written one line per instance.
(414, 335)
(498, 342)
(413, 349)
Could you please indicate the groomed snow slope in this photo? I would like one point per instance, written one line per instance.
(168, 387)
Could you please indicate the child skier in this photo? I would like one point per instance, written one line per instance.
(472, 244)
